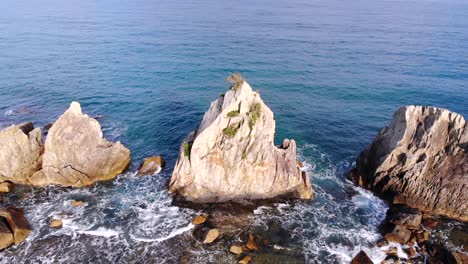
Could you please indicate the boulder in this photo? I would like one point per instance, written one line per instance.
(56, 223)
(16, 222)
(20, 152)
(361, 258)
(421, 160)
(77, 155)
(151, 166)
(6, 237)
(409, 218)
(232, 155)
(211, 236)
(198, 220)
(399, 234)
(236, 249)
(6, 187)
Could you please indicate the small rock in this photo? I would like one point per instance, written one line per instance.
(6, 187)
(236, 249)
(411, 252)
(422, 236)
(361, 258)
(211, 236)
(17, 223)
(151, 166)
(77, 203)
(382, 242)
(251, 245)
(460, 258)
(198, 220)
(399, 234)
(245, 260)
(56, 223)
(393, 251)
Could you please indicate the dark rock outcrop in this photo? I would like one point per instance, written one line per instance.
(420, 159)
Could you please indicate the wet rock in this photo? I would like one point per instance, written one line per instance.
(211, 236)
(361, 258)
(75, 203)
(198, 220)
(382, 243)
(422, 236)
(77, 155)
(6, 187)
(393, 251)
(236, 249)
(236, 138)
(56, 223)
(411, 252)
(407, 217)
(251, 245)
(151, 166)
(399, 234)
(20, 152)
(6, 237)
(17, 223)
(420, 159)
(245, 260)
(460, 258)
(430, 222)
(459, 237)
(230, 218)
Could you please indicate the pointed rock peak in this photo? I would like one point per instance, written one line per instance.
(75, 107)
(232, 155)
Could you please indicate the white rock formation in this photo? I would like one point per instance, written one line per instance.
(20, 151)
(232, 155)
(420, 159)
(76, 154)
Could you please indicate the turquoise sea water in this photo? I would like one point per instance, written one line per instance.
(333, 72)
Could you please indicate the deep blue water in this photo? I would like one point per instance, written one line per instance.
(333, 72)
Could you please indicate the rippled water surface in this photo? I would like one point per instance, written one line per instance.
(332, 71)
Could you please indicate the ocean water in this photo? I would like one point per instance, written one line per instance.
(333, 72)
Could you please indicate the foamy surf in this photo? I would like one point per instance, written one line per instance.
(174, 233)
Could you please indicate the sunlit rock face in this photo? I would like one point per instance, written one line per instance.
(232, 154)
(76, 154)
(20, 152)
(421, 160)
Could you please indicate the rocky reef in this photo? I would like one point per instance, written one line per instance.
(232, 154)
(421, 160)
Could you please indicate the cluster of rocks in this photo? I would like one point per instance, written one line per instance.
(419, 164)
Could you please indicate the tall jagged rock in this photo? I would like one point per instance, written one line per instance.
(232, 154)
(76, 154)
(420, 159)
(20, 152)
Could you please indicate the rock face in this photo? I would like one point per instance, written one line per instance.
(420, 159)
(20, 152)
(232, 154)
(76, 154)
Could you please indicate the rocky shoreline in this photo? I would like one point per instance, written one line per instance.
(230, 166)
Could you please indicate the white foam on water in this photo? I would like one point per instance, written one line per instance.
(174, 233)
(9, 112)
(101, 231)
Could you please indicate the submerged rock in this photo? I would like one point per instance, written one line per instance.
(420, 159)
(76, 154)
(151, 165)
(20, 152)
(361, 258)
(232, 154)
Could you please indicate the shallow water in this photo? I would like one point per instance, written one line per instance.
(333, 72)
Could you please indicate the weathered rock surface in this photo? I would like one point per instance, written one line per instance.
(361, 258)
(16, 223)
(76, 154)
(232, 154)
(420, 159)
(151, 165)
(20, 152)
